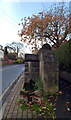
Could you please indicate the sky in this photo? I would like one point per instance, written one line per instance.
(11, 12)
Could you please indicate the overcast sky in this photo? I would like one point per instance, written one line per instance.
(11, 12)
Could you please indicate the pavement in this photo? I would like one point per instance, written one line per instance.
(63, 102)
(11, 110)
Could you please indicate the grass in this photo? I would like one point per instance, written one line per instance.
(40, 106)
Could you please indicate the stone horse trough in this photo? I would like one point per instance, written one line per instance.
(45, 65)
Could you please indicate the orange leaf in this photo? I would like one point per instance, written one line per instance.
(49, 100)
(18, 103)
(42, 113)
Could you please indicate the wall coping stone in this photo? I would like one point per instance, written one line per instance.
(31, 58)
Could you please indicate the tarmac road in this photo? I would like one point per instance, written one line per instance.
(8, 74)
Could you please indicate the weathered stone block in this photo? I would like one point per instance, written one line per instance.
(31, 67)
(26, 64)
(31, 57)
(45, 65)
(48, 69)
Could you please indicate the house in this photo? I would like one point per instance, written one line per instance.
(5, 59)
(1, 53)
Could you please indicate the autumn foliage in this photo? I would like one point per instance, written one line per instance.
(47, 27)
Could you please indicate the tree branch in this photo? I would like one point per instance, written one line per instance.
(65, 35)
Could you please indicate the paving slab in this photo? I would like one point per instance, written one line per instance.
(11, 108)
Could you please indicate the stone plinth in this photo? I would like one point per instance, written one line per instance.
(48, 69)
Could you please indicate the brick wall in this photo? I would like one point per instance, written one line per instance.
(7, 62)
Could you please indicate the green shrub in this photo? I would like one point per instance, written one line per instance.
(19, 61)
(39, 86)
(64, 57)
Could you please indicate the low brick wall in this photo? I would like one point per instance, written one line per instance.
(65, 75)
(11, 61)
(7, 62)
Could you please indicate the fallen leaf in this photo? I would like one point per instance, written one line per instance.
(42, 113)
(60, 92)
(56, 99)
(47, 109)
(37, 101)
(50, 103)
(20, 105)
(44, 107)
(68, 109)
(12, 98)
(40, 110)
(31, 96)
(21, 95)
(49, 100)
(66, 105)
(53, 105)
(53, 117)
(32, 109)
(34, 97)
(17, 103)
(35, 116)
(29, 102)
(54, 108)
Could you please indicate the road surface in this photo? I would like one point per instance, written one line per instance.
(8, 74)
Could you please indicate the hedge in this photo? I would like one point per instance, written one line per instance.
(63, 54)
